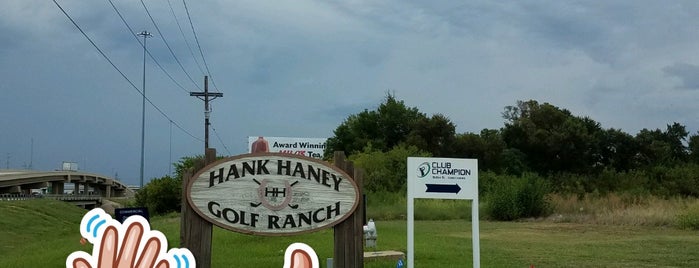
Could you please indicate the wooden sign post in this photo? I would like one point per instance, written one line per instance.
(195, 231)
(274, 194)
(349, 245)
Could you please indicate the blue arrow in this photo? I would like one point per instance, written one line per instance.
(443, 188)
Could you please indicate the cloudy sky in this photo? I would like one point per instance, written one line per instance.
(299, 68)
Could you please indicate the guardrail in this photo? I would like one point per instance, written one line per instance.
(16, 197)
(61, 197)
(64, 197)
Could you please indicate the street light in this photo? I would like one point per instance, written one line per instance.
(145, 35)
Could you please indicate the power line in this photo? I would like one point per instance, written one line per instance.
(122, 73)
(147, 51)
(221, 141)
(198, 44)
(184, 37)
(166, 43)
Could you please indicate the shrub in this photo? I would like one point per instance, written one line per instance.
(502, 201)
(385, 171)
(510, 198)
(689, 219)
(533, 197)
(683, 180)
(161, 195)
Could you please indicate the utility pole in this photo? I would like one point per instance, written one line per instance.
(145, 35)
(207, 111)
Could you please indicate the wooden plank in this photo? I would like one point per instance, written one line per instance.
(358, 235)
(340, 230)
(384, 255)
(195, 231)
(349, 245)
(351, 249)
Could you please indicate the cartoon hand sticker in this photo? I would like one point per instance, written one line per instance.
(299, 255)
(128, 245)
(134, 245)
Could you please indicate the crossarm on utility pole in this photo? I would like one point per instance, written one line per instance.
(205, 97)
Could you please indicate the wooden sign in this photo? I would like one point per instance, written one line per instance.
(272, 194)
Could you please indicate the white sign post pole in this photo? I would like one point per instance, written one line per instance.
(411, 232)
(443, 178)
(475, 233)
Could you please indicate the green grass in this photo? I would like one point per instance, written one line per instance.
(393, 206)
(38, 233)
(43, 233)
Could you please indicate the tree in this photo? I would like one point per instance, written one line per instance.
(185, 164)
(434, 135)
(693, 147)
(384, 128)
(658, 147)
(469, 145)
(487, 147)
(676, 135)
(494, 147)
(618, 150)
(161, 195)
(552, 139)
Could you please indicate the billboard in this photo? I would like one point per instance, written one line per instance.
(70, 166)
(311, 147)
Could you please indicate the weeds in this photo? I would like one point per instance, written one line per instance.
(689, 218)
(602, 209)
(624, 209)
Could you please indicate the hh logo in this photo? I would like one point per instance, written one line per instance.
(274, 198)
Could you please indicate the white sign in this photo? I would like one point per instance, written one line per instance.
(272, 194)
(310, 147)
(442, 178)
(70, 166)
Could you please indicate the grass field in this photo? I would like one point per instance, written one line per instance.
(43, 233)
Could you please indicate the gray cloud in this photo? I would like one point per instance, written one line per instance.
(687, 73)
(299, 69)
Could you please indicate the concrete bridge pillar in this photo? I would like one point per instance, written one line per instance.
(56, 187)
(76, 188)
(108, 191)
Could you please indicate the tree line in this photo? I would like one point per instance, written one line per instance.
(540, 148)
(574, 153)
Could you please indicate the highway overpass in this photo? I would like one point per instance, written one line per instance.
(25, 182)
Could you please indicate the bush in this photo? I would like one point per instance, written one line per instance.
(161, 195)
(510, 198)
(689, 219)
(385, 171)
(682, 180)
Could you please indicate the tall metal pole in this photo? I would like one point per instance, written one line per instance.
(145, 35)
